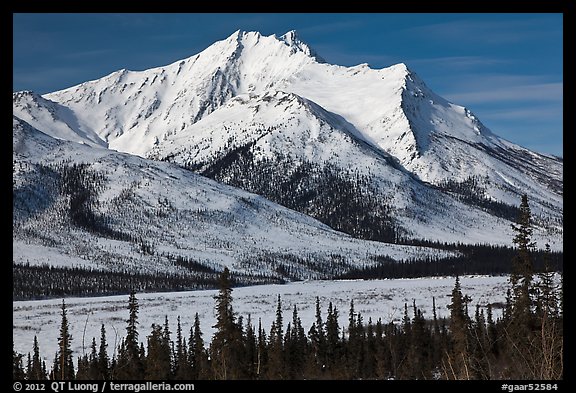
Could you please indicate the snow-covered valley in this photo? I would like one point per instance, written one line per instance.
(373, 299)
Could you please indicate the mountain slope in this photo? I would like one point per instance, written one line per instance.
(432, 138)
(76, 205)
(268, 115)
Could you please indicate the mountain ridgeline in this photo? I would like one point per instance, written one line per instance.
(350, 165)
(267, 114)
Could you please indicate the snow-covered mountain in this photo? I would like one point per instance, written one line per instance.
(82, 206)
(370, 152)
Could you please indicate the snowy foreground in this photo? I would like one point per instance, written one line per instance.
(373, 299)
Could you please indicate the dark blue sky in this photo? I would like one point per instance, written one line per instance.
(506, 68)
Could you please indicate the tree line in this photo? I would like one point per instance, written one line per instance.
(472, 259)
(45, 281)
(525, 342)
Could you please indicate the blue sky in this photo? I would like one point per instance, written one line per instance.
(506, 68)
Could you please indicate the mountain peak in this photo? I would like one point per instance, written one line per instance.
(251, 97)
(293, 40)
(290, 39)
(241, 34)
(401, 67)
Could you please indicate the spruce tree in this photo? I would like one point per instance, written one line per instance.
(182, 369)
(333, 344)
(383, 358)
(93, 372)
(250, 350)
(523, 339)
(402, 342)
(64, 354)
(276, 355)
(132, 327)
(353, 346)
(55, 372)
(368, 366)
(262, 356)
(456, 366)
(419, 351)
(522, 267)
(480, 347)
(197, 357)
(158, 356)
(167, 345)
(83, 372)
(436, 342)
(295, 347)
(130, 362)
(36, 372)
(222, 349)
(317, 337)
(103, 360)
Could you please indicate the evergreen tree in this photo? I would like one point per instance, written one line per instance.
(238, 349)
(54, 374)
(35, 371)
(523, 339)
(333, 345)
(132, 327)
(507, 315)
(276, 332)
(295, 347)
(419, 350)
(250, 350)
(130, 362)
(168, 345)
(383, 357)
(276, 355)
(400, 347)
(92, 363)
(64, 354)
(317, 337)
(158, 358)
(83, 368)
(262, 357)
(457, 362)
(480, 347)
(368, 367)
(436, 341)
(223, 353)
(103, 360)
(182, 369)
(354, 350)
(522, 267)
(197, 357)
(87, 364)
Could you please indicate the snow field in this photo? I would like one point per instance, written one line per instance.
(373, 299)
